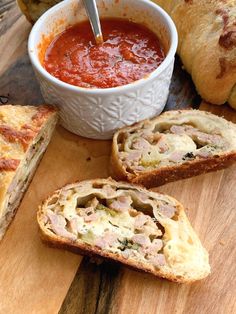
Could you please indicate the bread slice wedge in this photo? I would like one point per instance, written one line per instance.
(25, 132)
(125, 223)
(175, 145)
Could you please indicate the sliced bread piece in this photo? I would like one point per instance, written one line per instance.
(25, 132)
(175, 145)
(125, 223)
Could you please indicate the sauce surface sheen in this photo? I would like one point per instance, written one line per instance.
(129, 52)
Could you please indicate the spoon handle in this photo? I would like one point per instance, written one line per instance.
(92, 12)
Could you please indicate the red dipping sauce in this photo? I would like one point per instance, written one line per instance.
(129, 52)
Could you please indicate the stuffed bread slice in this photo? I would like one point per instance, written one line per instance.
(25, 132)
(145, 230)
(175, 145)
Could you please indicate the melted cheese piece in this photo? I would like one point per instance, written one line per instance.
(175, 142)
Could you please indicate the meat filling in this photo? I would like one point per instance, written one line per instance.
(145, 150)
(114, 224)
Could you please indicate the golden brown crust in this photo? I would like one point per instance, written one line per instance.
(9, 164)
(184, 171)
(14, 136)
(85, 250)
(42, 114)
(20, 128)
(167, 174)
(27, 131)
(207, 40)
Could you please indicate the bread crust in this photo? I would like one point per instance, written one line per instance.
(167, 174)
(56, 241)
(85, 250)
(207, 45)
(19, 128)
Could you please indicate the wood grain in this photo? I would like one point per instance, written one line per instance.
(211, 202)
(36, 279)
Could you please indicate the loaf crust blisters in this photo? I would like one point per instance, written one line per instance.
(25, 132)
(125, 223)
(207, 45)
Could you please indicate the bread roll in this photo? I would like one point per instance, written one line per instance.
(207, 45)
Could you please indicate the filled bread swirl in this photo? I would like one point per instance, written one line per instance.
(175, 145)
(123, 222)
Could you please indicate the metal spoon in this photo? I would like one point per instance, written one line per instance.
(92, 12)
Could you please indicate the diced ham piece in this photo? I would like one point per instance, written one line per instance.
(162, 145)
(110, 238)
(203, 153)
(204, 139)
(131, 159)
(157, 244)
(201, 137)
(109, 190)
(121, 204)
(140, 220)
(141, 144)
(154, 248)
(106, 240)
(177, 156)
(100, 242)
(91, 217)
(58, 224)
(73, 224)
(141, 239)
(142, 196)
(88, 213)
(139, 168)
(167, 210)
(178, 129)
(158, 260)
(134, 156)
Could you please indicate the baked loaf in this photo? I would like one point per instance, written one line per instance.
(207, 45)
(25, 132)
(145, 230)
(175, 145)
(33, 9)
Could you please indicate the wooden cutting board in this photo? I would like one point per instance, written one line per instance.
(36, 279)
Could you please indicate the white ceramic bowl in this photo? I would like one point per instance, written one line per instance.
(98, 113)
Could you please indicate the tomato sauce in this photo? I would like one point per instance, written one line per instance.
(129, 52)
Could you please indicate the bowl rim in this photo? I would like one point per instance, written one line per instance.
(32, 52)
